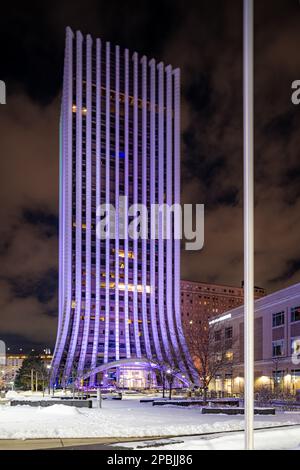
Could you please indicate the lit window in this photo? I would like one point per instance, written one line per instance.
(82, 226)
(122, 254)
(278, 376)
(131, 287)
(74, 110)
(229, 355)
(296, 375)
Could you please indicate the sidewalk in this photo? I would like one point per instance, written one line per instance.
(39, 444)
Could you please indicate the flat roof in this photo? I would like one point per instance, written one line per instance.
(278, 297)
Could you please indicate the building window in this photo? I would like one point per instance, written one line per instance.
(278, 319)
(229, 356)
(278, 348)
(296, 375)
(295, 314)
(228, 332)
(278, 377)
(218, 335)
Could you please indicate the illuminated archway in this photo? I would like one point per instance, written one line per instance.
(112, 365)
(143, 362)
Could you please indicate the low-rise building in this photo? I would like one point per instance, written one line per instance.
(276, 346)
(200, 301)
(13, 362)
(200, 298)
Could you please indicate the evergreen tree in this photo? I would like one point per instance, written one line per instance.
(24, 374)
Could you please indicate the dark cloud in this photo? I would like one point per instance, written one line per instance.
(204, 39)
(212, 141)
(43, 287)
(29, 211)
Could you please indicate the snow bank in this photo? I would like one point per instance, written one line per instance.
(35, 396)
(126, 418)
(12, 395)
(277, 439)
(27, 396)
(59, 410)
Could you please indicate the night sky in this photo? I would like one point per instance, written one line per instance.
(204, 39)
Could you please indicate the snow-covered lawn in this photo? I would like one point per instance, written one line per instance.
(126, 418)
(277, 439)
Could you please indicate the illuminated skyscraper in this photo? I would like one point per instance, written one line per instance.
(119, 299)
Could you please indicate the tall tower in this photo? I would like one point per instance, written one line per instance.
(119, 299)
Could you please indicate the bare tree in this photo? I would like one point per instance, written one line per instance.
(171, 375)
(69, 381)
(162, 367)
(167, 373)
(212, 348)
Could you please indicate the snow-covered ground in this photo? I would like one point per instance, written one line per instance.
(126, 418)
(34, 396)
(277, 439)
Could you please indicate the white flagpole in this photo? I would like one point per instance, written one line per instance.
(249, 221)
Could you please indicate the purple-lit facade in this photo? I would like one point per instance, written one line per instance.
(119, 299)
